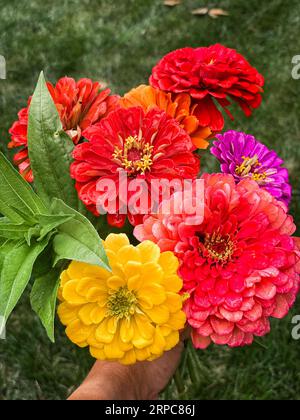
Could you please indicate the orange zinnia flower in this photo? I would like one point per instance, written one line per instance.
(179, 107)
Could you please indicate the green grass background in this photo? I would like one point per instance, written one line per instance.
(119, 41)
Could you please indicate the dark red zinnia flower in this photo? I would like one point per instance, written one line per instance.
(147, 146)
(210, 74)
(80, 104)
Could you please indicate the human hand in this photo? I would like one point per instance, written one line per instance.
(142, 381)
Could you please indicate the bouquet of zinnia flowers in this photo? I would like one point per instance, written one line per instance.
(111, 216)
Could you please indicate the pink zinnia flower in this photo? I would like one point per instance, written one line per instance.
(240, 263)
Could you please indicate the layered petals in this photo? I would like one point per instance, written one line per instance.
(143, 148)
(242, 156)
(79, 104)
(130, 314)
(240, 263)
(178, 106)
(211, 76)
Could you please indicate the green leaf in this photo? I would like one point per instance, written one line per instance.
(78, 239)
(15, 193)
(50, 149)
(15, 274)
(13, 231)
(11, 214)
(43, 299)
(51, 222)
(28, 218)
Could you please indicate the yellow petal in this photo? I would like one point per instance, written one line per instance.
(97, 353)
(97, 295)
(174, 302)
(126, 330)
(138, 340)
(165, 330)
(159, 314)
(112, 351)
(123, 346)
(92, 341)
(172, 340)
(152, 273)
(132, 269)
(128, 253)
(98, 314)
(145, 304)
(70, 294)
(87, 283)
(150, 252)
(115, 242)
(85, 313)
(169, 263)
(77, 332)
(135, 283)
(75, 269)
(112, 325)
(67, 313)
(159, 343)
(102, 334)
(118, 269)
(142, 354)
(129, 358)
(64, 278)
(60, 295)
(154, 292)
(144, 326)
(116, 282)
(177, 321)
(172, 283)
(112, 257)
(83, 344)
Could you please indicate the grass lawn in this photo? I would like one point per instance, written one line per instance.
(119, 42)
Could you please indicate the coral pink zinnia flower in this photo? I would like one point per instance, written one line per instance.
(147, 146)
(80, 104)
(240, 264)
(210, 74)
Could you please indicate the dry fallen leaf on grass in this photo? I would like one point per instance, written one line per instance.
(215, 13)
(172, 3)
(200, 12)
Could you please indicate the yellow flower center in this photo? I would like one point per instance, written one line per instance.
(136, 156)
(122, 303)
(219, 248)
(249, 168)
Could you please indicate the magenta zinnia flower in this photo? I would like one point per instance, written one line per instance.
(242, 156)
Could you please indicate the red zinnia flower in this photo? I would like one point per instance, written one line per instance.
(80, 104)
(240, 263)
(208, 74)
(147, 146)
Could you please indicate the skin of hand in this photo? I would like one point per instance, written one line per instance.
(142, 381)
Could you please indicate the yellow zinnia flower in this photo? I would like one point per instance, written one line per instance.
(131, 314)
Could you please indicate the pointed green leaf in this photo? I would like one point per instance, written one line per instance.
(43, 299)
(28, 218)
(51, 222)
(78, 239)
(16, 193)
(50, 149)
(11, 214)
(15, 274)
(32, 233)
(13, 231)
